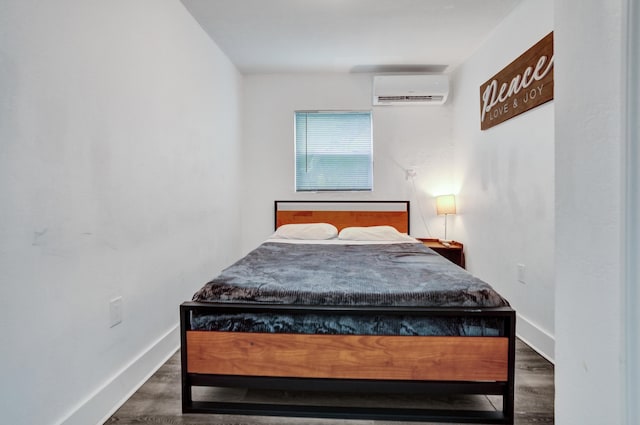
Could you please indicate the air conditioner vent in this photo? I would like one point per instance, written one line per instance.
(410, 89)
(424, 98)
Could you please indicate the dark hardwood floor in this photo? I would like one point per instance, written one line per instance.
(158, 400)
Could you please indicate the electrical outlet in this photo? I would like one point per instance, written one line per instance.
(115, 311)
(521, 273)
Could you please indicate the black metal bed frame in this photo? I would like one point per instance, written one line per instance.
(504, 389)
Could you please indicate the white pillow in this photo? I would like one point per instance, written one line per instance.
(309, 231)
(373, 233)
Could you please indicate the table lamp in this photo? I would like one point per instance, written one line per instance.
(445, 205)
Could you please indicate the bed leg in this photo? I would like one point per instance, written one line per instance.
(509, 396)
(508, 403)
(187, 402)
(187, 399)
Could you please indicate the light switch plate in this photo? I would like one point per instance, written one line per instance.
(115, 311)
(521, 273)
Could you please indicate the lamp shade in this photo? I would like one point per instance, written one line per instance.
(445, 204)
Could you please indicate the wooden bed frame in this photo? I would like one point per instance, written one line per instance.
(349, 363)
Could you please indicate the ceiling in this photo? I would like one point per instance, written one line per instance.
(268, 36)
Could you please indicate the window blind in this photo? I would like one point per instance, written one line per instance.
(333, 151)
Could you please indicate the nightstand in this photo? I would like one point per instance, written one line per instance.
(454, 252)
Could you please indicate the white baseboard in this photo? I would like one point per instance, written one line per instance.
(537, 338)
(99, 406)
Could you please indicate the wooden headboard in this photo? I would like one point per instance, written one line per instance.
(344, 213)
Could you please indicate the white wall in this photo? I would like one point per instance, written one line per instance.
(590, 183)
(504, 179)
(403, 136)
(119, 145)
(632, 292)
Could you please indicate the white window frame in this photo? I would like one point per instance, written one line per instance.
(328, 188)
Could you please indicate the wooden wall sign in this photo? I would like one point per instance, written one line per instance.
(525, 83)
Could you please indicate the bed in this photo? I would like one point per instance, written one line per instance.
(348, 315)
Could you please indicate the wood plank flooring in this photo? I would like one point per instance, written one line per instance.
(158, 400)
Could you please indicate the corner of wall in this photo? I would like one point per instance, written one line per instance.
(108, 398)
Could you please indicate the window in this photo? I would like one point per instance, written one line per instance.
(333, 151)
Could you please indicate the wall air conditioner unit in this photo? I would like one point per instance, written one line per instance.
(410, 89)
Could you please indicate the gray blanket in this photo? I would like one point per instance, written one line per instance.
(405, 274)
(341, 324)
